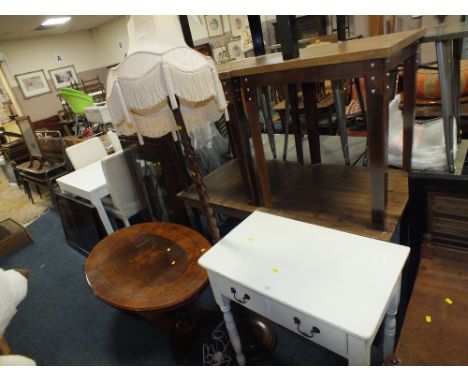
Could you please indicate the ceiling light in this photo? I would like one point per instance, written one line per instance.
(56, 21)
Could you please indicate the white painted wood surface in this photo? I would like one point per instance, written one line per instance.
(89, 183)
(330, 279)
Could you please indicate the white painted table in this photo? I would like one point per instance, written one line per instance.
(329, 286)
(89, 183)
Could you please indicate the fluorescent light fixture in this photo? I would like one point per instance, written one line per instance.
(56, 21)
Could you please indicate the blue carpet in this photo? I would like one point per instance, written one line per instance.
(61, 322)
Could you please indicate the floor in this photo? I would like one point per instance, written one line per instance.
(14, 203)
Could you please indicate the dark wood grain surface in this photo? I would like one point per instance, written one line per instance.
(444, 340)
(378, 47)
(147, 267)
(329, 195)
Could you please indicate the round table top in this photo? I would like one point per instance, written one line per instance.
(147, 267)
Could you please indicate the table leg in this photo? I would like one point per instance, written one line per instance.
(238, 126)
(457, 48)
(225, 306)
(341, 117)
(377, 131)
(359, 351)
(311, 116)
(409, 80)
(444, 60)
(296, 123)
(181, 326)
(96, 202)
(286, 123)
(265, 105)
(252, 116)
(390, 322)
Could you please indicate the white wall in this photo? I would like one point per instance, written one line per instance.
(90, 52)
(30, 54)
(111, 40)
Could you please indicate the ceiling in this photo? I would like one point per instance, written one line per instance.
(14, 27)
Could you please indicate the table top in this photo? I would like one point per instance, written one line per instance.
(446, 32)
(369, 48)
(147, 267)
(444, 340)
(88, 179)
(342, 279)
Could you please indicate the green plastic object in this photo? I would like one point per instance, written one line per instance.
(76, 100)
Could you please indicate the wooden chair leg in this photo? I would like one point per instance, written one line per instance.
(27, 190)
(4, 348)
(38, 190)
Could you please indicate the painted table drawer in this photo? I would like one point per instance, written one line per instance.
(310, 328)
(240, 294)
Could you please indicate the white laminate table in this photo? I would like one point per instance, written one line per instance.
(331, 287)
(89, 183)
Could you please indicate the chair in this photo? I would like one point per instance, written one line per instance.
(123, 202)
(77, 101)
(114, 138)
(94, 88)
(47, 157)
(86, 152)
(13, 288)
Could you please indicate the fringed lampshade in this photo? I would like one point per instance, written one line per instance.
(161, 73)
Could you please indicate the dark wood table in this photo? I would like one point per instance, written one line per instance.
(372, 58)
(448, 41)
(311, 194)
(435, 328)
(151, 269)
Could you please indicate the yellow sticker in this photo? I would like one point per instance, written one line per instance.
(428, 319)
(173, 262)
(448, 301)
(168, 250)
(179, 127)
(276, 270)
(202, 250)
(250, 238)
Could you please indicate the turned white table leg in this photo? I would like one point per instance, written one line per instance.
(359, 351)
(225, 306)
(390, 322)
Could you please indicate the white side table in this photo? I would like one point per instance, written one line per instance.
(331, 287)
(89, 183)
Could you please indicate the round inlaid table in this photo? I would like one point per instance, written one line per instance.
(151, 269)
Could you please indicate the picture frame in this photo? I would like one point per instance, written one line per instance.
(29, 137)
(235, 49)
(214, 26)
(204, 49)
(246, 39)
(63, 77)
(238, 24)
(33, 84)
(219, 54)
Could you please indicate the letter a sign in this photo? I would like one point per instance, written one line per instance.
(58, 57)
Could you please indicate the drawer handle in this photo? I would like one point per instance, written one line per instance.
(244, 299)
(314, 330)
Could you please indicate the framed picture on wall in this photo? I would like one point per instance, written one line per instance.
(238, 24)
(63, 77)
(219, 54)
(33, 84)
(235, 49)
(214, 25)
